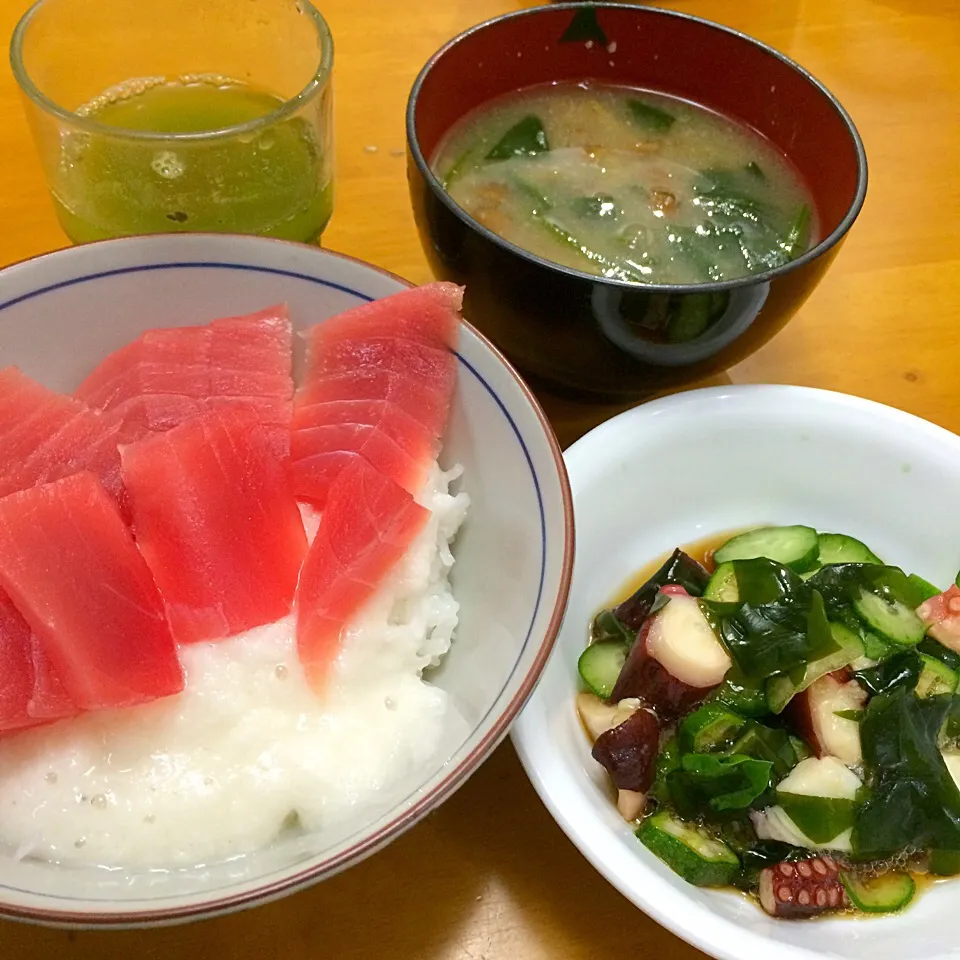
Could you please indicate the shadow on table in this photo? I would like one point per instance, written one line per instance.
(553, 903)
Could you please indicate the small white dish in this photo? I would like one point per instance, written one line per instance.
(679, 469)
(62, 313)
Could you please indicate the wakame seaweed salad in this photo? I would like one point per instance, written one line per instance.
(784, 719)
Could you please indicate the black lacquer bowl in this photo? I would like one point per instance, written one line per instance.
(604, 339)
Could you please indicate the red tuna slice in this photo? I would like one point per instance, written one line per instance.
(432, 370)
(428, 314)
(45, 435)
(16, 668)
(368, 524)
(325, 435)
(397, 349)
(420, 401)
(113, 380)
(430, 365)
(31, 692)
(378, 385)
(217, 523)
(72, 569)
(141, 416)
(49, 700)
(234, 359)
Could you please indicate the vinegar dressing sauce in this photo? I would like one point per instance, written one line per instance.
(622, 193)
(701, 550)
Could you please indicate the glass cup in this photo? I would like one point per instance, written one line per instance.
(159, 116)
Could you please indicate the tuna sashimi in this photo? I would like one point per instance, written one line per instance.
(428, 314)
(427, 406)
(16, 668)
(378, 386)
(31, 692)
(167, 376)
(71, 567)
(45, 435)
(217, 523)
(368, 524)
(49, 700)
(325, 436)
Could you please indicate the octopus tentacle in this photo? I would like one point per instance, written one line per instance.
(802, 888)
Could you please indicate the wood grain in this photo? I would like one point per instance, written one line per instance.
(489, 876)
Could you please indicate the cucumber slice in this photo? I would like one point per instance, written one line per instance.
(689, 850)
(874, 647)
(944, 863)
(893, 620)
(600, 665)
(935, 678)
(924, 587)
(884, 894)
(819, 818)
(839, 548)
(782, 689)
(722, 586)
(709, 727)
(795, 547)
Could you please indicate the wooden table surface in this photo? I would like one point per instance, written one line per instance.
(490, 876)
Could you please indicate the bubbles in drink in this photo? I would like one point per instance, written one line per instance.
(167, 164)
(115, 94)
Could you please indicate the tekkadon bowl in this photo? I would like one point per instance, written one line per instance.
(62, 313)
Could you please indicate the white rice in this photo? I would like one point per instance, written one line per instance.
(248, 749)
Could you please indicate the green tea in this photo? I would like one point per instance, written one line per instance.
(274, 180)
(627, 184)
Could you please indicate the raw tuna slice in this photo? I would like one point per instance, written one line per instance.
(31, 692)
(425, 405)
(429, 314)
(170, 375)
(378, 386)
(217, 523)
(325, 436)
(16, 668)
(45, 436)
(49, 700)
(367, 525)
(72, 569)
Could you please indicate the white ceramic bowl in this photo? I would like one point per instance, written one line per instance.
(61, 313)
(674, 471)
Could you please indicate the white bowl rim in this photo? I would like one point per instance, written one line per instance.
(456, 776)
(695, 924)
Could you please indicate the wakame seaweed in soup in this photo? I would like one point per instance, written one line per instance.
(627, 184)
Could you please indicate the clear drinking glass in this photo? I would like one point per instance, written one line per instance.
(155, 116)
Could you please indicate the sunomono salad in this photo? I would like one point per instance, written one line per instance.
(784, 719)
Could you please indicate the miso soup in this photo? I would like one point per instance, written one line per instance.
(627, 184)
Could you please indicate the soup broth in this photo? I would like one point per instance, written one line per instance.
(627, 184)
